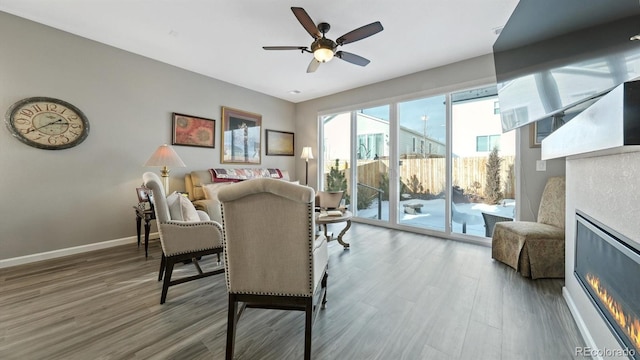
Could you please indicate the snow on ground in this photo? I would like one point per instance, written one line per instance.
(432, 214)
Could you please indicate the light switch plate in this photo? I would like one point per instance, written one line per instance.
(541, 165)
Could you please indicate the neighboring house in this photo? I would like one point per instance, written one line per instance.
(477, 129)
(373, 139)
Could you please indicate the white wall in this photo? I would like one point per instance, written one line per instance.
(59, 199)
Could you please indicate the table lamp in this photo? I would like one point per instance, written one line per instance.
(306, 155)
(165, 157)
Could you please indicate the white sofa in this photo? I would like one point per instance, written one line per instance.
(196, 181)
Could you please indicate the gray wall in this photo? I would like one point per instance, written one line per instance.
(532, 182)
(55, 200)
(60, 199)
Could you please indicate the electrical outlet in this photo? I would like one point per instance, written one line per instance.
(541, 165)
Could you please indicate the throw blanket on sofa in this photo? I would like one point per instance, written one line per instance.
(221, 175)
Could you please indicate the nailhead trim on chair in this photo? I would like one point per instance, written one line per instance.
(311, 212)
(191, 225)
(224, 246)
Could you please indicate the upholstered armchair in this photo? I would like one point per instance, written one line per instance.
(185, 233)
(535, 249)
(273, 257)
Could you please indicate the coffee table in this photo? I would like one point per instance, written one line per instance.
(323, 220)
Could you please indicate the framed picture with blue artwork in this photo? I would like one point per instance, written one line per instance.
(241, 137)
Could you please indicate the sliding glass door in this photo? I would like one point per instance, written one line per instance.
(437, 163)
(483, 162)
(372, 163)
(364, 157)
(336, 154)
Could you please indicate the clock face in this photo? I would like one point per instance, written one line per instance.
(47, 123)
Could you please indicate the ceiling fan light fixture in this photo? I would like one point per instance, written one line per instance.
(324, 49)
(323, 54)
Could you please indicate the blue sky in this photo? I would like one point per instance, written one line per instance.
(411, 113)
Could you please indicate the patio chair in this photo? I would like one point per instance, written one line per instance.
(463, 218)
(490, 221)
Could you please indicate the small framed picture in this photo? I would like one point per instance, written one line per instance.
(241, 137)
(279, 143)
(143, 194)
(193, 131)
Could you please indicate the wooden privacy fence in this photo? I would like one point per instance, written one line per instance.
(469, 173)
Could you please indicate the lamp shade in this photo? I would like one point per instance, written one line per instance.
(306, 153)
(165, 156)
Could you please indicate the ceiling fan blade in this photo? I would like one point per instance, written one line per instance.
(306, 22)
(360, 33)
(352, 58)
(302, 48)
(313, 65)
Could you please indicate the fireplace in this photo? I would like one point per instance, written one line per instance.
(607, 265)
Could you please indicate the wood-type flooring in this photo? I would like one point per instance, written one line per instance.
(393, 295)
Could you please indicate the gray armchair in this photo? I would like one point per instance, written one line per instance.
(535, 249)
(182, 240)
(273, 257)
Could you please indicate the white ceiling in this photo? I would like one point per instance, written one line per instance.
(223, 39)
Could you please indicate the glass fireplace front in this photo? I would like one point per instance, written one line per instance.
(607, 265)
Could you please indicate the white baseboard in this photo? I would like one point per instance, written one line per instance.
(21, 260)
(584, 331)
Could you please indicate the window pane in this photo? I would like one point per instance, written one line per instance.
(474, 119)
(481, 143)
(336, 152)
(422, 166)
(372, 171)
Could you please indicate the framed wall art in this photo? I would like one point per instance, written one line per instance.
(279, 143)
(241, 137)
(193, 131)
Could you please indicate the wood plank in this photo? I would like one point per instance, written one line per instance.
(393, 295)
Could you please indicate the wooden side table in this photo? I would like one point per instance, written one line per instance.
(147, 215)
(322, 220)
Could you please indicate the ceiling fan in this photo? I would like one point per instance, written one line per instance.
(324, 49)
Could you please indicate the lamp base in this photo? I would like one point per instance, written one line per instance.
(164, 172)
(306, 172)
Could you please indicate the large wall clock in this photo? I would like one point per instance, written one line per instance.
(47, 123)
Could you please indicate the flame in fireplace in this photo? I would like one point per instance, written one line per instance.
(629, 323)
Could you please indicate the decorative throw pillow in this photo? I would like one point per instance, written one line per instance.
(211, 190)
(180, 208)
